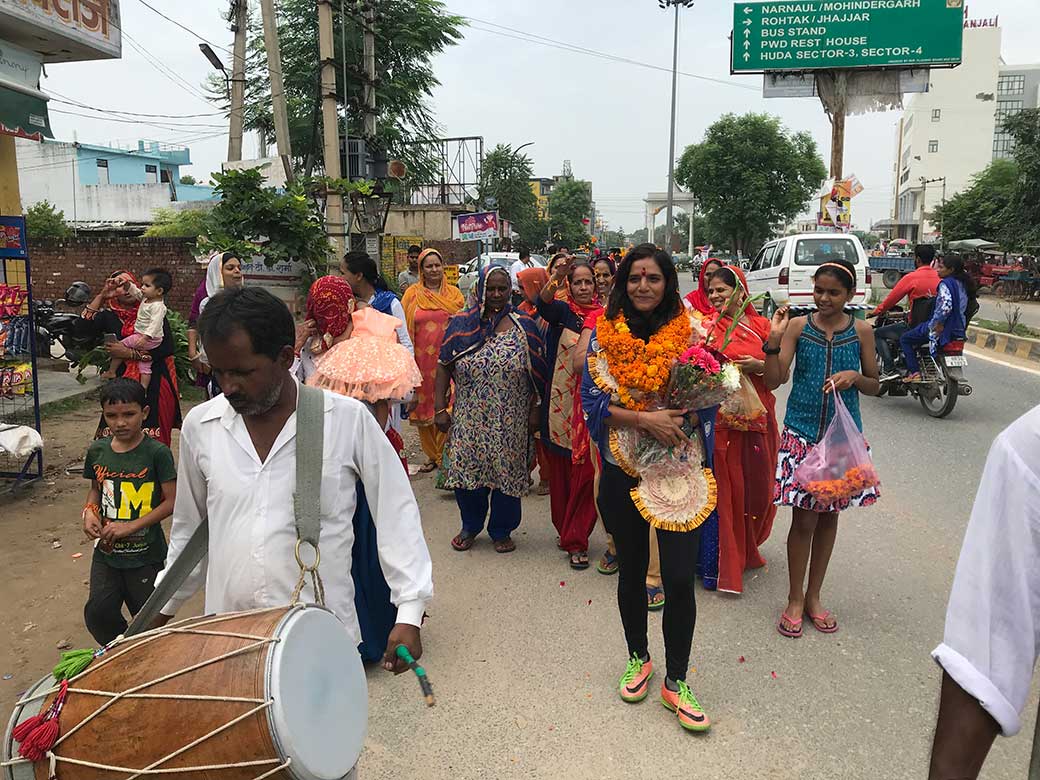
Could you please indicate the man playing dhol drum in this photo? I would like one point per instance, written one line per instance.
(237, 467)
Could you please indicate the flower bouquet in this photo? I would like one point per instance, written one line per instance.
(700, 379)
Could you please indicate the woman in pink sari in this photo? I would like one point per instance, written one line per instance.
(428, 306)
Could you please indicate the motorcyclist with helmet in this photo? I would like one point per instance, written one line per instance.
(919, 287)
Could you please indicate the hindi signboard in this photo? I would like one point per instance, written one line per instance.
(800, 35)
(482, 226)
(63, 30)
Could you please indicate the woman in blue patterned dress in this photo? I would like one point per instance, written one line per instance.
(832, 351)
(495, 356)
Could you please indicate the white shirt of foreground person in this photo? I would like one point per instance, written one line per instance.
(252, 530)
(992, 632)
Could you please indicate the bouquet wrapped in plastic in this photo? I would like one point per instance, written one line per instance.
(700, 379)
(839, 467)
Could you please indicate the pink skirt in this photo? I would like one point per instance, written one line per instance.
(367, 368)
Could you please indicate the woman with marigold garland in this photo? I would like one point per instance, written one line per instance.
(641, 336)
(831, 352)
(746, 435)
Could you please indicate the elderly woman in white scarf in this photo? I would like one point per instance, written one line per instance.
(224, 271)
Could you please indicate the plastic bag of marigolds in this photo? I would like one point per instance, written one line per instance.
(839, 466)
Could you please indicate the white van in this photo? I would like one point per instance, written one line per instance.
(785, 266)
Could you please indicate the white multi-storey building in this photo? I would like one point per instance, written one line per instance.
(952, 132)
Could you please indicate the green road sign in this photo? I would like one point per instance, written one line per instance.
(825, 34)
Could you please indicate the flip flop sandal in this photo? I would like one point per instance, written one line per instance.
(790, 633)
(506, 545)
(463, 542)
(820, 622)
(607, 564)
(579, 560)
(651, 599)
(426, 468)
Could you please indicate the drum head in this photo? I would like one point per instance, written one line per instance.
(23, 770)
(317, 681)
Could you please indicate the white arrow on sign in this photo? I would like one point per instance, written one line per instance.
(747, 22)
(747, 10)
(747, 33)
(747, 44)
(746, 56)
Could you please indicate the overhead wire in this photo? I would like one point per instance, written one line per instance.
(556, 43)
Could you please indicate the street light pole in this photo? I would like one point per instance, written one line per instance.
(671, 142)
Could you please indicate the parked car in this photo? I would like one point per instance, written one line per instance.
(468, 271)
(784, 268)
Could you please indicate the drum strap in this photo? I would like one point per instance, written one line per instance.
(310, 444)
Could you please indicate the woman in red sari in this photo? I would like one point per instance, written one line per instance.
(698, 299)
(746, 434)
(114, 311)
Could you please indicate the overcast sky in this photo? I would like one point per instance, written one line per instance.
(610, 119)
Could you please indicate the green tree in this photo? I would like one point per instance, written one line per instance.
(188, 179)
(614, 238)
(504, 176)
(869, 240)
(1022, 215)
(570, 203)
(43, 222)
(749, 174)
(980, 210)
(252, 219)
(183, 223)
(409, 36)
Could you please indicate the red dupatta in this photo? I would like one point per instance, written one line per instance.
(127, 314)
(698, 299)
(750, 332)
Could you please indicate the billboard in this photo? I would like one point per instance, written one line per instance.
(63, 30)
(802, 35)
(482, 226)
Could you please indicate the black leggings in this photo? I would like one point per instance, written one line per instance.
(679, 552)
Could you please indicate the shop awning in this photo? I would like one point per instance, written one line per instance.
(23, 114)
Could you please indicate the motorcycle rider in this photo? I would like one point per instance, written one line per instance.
(919, 284)
(956, 303)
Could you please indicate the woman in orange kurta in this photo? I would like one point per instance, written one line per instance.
(428, 306)
(746, 435)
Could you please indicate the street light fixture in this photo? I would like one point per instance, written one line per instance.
(665, 4)
(214, 60)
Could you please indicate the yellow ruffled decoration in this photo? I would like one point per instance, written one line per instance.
(676, 501)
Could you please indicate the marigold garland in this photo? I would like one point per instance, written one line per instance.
(640, 366)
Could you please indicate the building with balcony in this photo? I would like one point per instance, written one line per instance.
(952, 132)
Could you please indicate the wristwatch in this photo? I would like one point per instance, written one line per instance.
(770, 350)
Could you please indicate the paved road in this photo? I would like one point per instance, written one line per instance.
(524, 654)
(991, 308)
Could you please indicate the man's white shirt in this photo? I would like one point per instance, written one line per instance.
(252, 531)
(515, 269)
(993, 619)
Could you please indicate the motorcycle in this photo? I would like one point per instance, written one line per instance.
(69, 331)
(942, 375)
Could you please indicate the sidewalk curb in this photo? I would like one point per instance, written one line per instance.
(1004, 343)
(89, 390)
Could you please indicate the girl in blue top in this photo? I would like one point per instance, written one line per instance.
(831, 351)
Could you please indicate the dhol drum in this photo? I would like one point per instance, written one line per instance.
(276, 693)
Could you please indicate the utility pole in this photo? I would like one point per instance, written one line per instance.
(238, 80)
(274, 67)
(924, 189)
(671, 142)
(369, 55)
(334, 224)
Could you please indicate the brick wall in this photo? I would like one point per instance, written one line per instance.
(462, 251)
(57, 264)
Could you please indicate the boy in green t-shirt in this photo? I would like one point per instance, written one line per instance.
(132, 488)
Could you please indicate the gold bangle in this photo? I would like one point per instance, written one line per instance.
(439, 411)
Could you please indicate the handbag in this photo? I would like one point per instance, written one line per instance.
(310, 442)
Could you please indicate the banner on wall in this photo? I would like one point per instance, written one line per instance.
(395, 255)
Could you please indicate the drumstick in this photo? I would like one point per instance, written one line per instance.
(424, 681)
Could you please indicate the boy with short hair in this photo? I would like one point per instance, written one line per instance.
(148, 327)
(132, 489)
